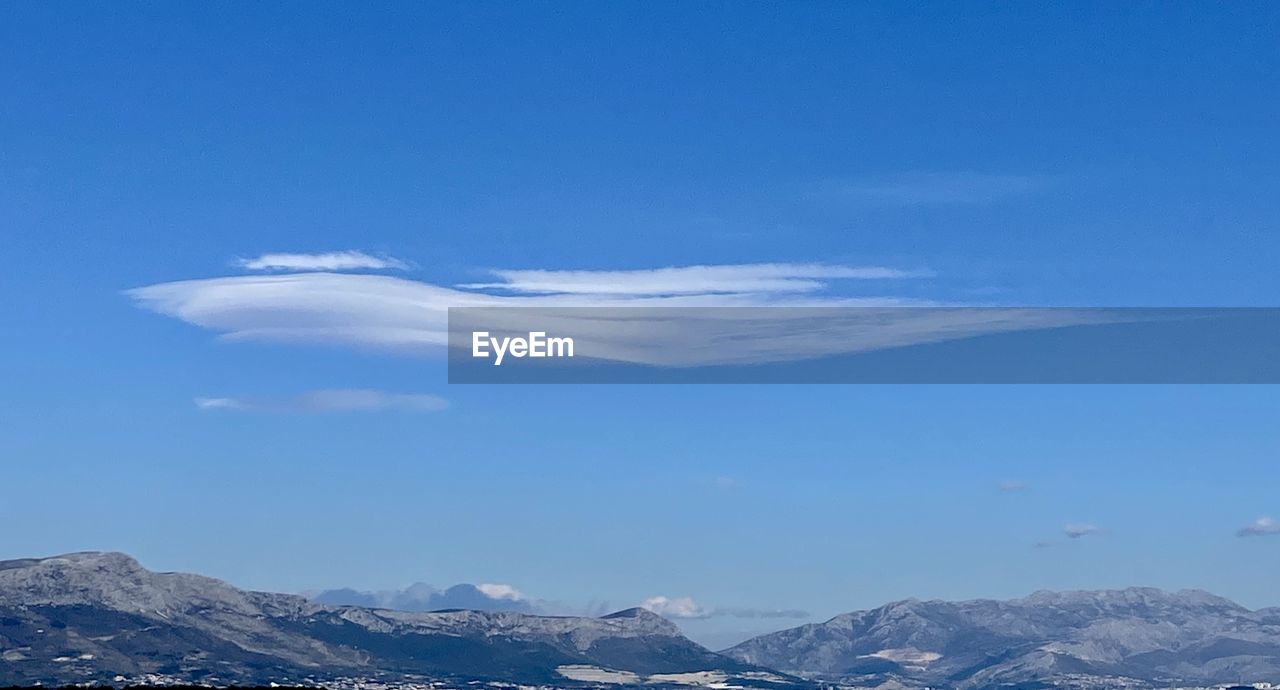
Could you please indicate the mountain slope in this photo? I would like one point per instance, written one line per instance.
(1142, 634)
(95, 615)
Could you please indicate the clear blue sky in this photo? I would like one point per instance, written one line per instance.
(1027, 153)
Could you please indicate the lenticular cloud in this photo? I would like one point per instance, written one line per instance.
(393, 313)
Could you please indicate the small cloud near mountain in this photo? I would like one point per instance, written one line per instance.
(501, 592)
(678, 607)
(688, 608)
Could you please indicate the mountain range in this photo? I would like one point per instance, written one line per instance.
(102, 617)
(1112, 638)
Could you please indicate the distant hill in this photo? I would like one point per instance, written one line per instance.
(1145, 635)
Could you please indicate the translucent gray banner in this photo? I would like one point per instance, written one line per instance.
(863, 345)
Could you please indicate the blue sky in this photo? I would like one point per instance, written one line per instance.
(1097, 154)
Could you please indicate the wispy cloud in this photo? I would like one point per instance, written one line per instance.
(1077, 530)
(328, 261)
(956, 187)
(1013, 486)
(688, 608)
(689, 280)
(332, 400)
(1263, 526)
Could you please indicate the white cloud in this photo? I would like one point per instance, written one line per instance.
(331, 400)
(329, 261)
(1076, 530)
(1013, 485)
(679, 607)
(688, 280)
(957, 187)
(499, 591)
(1261, 527)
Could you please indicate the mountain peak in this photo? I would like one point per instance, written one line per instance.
(646, 620)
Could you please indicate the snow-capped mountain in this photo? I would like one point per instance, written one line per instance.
(1146, 635)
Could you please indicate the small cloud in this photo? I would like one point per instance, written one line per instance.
(760, 613)
(499, 591)
(963, 187)
(1013, 486)
(335, 400)
(687, 608)
(679, 607)
(329, 261)
(1044, 544)
(1262, 527)
(217, 403)
(1077, 530)
(725, 482)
